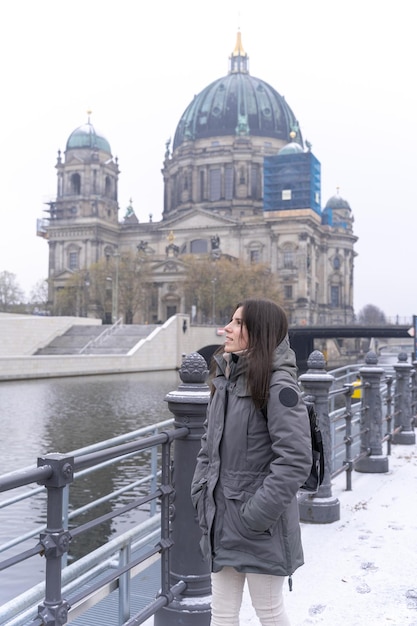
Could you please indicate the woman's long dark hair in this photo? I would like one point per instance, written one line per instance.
(267, 325)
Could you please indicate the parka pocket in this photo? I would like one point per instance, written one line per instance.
(236, 535)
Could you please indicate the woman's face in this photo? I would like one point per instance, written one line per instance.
(236, 333)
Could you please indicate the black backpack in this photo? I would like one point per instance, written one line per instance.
(315, 479)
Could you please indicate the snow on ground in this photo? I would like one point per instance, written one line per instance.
(362, 569)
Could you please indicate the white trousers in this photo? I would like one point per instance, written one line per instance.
(265, 592)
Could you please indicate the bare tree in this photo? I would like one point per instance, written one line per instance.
(371, 314)
(11, 295)
(215, 286)
(38, 298)
(112, 287)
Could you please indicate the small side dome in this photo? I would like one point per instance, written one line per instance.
(85, 136)
(291, 148)
(336, 202)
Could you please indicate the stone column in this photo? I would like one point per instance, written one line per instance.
(321, 508)
(371, 418)
(402, 402)
(188, 404)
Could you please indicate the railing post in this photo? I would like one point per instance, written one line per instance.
(188, 404)
(55, 540)
(402, 402)
(414, 395)
(371, 418)
(321, 508)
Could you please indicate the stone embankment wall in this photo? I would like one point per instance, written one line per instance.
(161, 350)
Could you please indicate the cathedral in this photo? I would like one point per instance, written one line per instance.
(239, 180)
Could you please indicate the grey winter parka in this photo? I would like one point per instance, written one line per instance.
(249, 469)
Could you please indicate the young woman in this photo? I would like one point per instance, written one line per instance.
(255, 455)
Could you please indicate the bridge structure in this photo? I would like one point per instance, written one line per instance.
(302, 338)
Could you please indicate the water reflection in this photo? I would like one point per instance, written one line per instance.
(61, 415)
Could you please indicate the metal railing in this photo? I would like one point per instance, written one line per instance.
(107, 332)
(72, 589)
(56, 472)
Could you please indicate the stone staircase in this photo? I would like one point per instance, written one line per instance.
(102, 340)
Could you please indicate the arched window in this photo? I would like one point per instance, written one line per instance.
(334, 296)
(73, 259)
(288, 258)
(76, 184)
(336, 263)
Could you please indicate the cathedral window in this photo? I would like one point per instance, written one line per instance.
(73, 260)
(228, 182)
(255, 256)
(107, 187)
(76, 184)
(288, 259)
(255, 192)
(215, 187)
(334, 296)
(288, 292)
(202, 183)
(336, 263)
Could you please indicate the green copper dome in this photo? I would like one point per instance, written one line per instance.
(237, 104)
(85, 136)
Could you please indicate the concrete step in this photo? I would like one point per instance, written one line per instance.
(119, 341)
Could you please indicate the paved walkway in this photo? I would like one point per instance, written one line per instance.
(362, 569)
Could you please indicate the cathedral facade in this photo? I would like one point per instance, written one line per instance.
(238, 181)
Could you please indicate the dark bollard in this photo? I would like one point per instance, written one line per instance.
(402, 402)
(188, 404)
(371, 418)
(321, 508)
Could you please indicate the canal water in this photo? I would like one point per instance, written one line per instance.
(59, 415)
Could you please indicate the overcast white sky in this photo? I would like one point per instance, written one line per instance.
(347, 69)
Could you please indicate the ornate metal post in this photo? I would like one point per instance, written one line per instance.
(188, 404)
(402, 402)
(321, 508)
(371, 418)
(55, 539)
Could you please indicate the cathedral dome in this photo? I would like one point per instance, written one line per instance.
(237, 104)
(336, 202)
(85, 136)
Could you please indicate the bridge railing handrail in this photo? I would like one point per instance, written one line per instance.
(92, 457)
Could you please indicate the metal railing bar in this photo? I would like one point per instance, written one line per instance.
(108, 497)
(24, 477)
(90, 459)
(107, 581)
(22, 556)
(116, 513)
